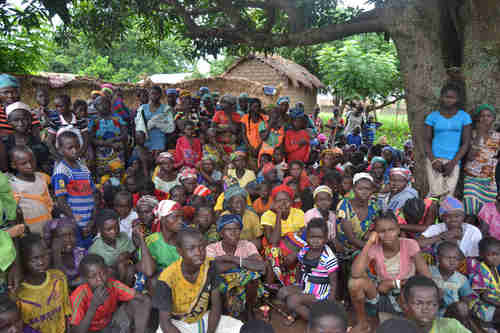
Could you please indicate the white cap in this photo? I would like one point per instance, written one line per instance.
(17, 106)
(362, 175)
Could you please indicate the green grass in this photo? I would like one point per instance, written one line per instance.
(394, 127)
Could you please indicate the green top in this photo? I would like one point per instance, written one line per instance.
(7, 250)
(448, 325)
(109, 253)
(163, 253)
(7, 203)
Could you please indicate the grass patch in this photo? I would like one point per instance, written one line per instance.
(394, 127)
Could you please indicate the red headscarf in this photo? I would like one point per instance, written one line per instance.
(282, 188)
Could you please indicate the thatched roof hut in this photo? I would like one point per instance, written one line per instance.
(295, 81)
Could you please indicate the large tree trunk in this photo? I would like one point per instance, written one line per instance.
(433, 35)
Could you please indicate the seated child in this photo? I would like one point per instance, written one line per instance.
(145, 208)
(187, 295)
(204, 221)
(318, 268)
(323, 197)
(188, 149)
(30, 189)
(421, 305)
(95, 303)
(72, 182)
(490, 217)
(60, 237)
(43, 297)
(485, 280)
(123, 206)
(327, 316)
(208, 174)
(111, 242)
(164, 175)
(455, 288)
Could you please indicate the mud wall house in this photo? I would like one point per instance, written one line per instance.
(290, 78)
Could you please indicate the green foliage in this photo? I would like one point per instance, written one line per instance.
(361, 67)
(394, 127)
(123, 62)
(219, 65)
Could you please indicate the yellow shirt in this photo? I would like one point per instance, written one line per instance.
(45, 307)
(189, 300)
(219, 204)
(293, 223)
(251, 225)
(248, 176)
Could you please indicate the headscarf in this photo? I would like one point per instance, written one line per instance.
(16, 106)
(322, 189)
(162, 157)
(229, 99)
(231, 192)
(204, 90)
(188, 173)
(171, 91)
(321, 138)
(238, 153)
(334, 150)
(450, 204)
(184, 93)
(106, 90)
(268, 167)
(215, 94)
(69, 129)
(148, 201)
(482, 107)
(166, 207)
(107, 85)
(202, 191)
(401, 172)
(228, 219)
(243, 95)
(296, 113)
(283, 99)
(96, 92)
(7, 81)
(206, 97)
(388, 148)
(51, 226)
(282, 188)
(378, 159)
(361, 175)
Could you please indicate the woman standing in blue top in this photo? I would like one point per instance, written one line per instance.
(447, 138)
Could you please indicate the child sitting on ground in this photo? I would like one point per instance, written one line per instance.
(111, 242)
(455, 288)
(123, 206)
(43, 297)
(318, 267)
(95, 303)
(72, 181)
(421, 305)
(30, 189)
(485, 280)
(204, 221)
(188, 149)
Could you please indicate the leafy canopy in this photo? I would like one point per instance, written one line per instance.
(361, 67)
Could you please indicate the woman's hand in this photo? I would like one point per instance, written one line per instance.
(437, 165)
(373, 239)
(385, 286)
(448, 168)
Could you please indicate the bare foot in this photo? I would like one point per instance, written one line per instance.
(362, 327)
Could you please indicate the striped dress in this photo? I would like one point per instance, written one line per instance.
(77, 186)
(315, 278)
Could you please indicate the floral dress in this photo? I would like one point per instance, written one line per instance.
(345, 211)
(108, 159)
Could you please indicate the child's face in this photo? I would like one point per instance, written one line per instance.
(378, 170)
(397, 183)
(166, 166)
(264, 159)
(11, 322)
(42, 97)
(140, 138)
(264, 191)
(328, 324)
(295, 170)
(145, 214)
(131, 184)
(61, 106)
(212, 135)
(81, 112)
(346, 184)
(20, 120)
(189, 131)
(179, 195)
(323, 200)
(492, 257)
(387, 155)
(68, 237)
(423, 305)
(24, 163)
(449, 260)
(122, 206)
(208, 166)
(96, 276)
(299, 123)
(329, 160)
(70, 146)
(271, 176)
(109, 231)
(204, 218)
(454, 220)
(189, 184)
(238, 205)
(316, 238)
(277, 156)
(239, 162)
(37, 259)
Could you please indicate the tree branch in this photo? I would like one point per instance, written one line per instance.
(381, 106)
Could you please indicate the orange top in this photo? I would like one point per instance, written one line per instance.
(252, 129)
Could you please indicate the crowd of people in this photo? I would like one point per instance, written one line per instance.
(195, 212)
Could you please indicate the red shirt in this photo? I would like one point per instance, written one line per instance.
(221, 118)
(5, 127)
(82, 296)
(187, 154)
(294, 151)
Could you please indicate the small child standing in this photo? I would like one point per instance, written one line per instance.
(30, 189)
(72, 181)
(188, 149)
(43, 297)
(370, 130)
(354, 138)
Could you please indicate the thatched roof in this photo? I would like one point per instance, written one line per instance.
(296, 73)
